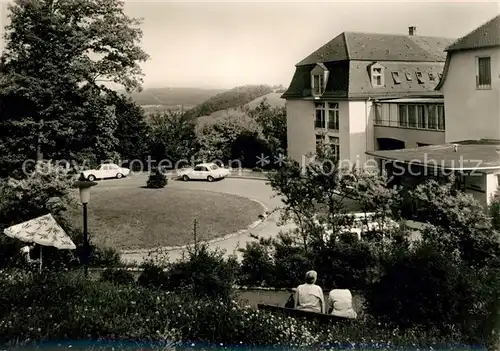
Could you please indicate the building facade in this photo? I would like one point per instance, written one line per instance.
(471, 85)
(365, 91)
(471, 148)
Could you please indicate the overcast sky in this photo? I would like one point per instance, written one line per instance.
(225, 44)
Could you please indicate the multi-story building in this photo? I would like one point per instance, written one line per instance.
(471, 146)
(366, 91)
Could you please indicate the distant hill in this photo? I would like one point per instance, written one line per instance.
(273, 99)
(229, 99)
(171, 97)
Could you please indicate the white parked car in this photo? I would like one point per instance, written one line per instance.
(106, 170)
(203, 171)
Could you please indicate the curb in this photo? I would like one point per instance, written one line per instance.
(264, 216)
(171, 177)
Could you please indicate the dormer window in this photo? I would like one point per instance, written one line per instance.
(408, 76)
(432, 76)
(420, 77)
(395, 76)
(377, 75)
(317, 86)
(319, 77)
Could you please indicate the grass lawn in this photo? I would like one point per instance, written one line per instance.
(139, 218)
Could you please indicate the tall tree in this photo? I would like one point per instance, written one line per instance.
(173, 137)
(273, 123)
(58, 58)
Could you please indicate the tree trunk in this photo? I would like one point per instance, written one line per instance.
(39, 154)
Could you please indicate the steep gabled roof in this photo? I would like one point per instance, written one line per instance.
(380, 47)
(487, 35)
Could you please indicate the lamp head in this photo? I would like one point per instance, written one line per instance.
(84, 187)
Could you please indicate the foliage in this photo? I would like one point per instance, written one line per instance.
(231, 138)
(494, 210)
(132, 131)
(235, 97)
(58, 107)
(168, 97)
(173, 137)
(273, 123)
(459, 224)
(427, 287)
(117, 276)
(157, 179)
(44, 308)
(203, 272)
(45, 189)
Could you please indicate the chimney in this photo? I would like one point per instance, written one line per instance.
(412, 30)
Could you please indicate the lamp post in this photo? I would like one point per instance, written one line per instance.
(84, 188)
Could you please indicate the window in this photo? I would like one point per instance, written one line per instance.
(334, 144)
(403, 116)
(320, 116)
(432, 76)
(395, 76)
(377, 77)
(440, 75)
(199, 168)
(408, 76)
(483, 75)
(214, 167)
(421, 117)
(378, 113)
(420, 77)
(440, 115)
(320, 139)
(317, 86)
(333, 116)
(412, 118)
(431, 117)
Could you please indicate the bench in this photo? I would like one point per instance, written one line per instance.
(322, 317)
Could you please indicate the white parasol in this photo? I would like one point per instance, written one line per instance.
(44, 231)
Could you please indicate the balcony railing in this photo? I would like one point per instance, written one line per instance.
(407, 125)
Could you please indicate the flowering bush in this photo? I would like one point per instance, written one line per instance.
(66, 306)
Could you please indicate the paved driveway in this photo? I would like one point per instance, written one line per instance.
(255, 189)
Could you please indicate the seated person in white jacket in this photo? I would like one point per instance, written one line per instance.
(309, 296)
(340, 303)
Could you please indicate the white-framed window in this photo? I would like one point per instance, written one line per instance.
(420, 77)
(483, 72)
(431, 117)
(403, 116)
(408, 76)
(320, 121)
(421, 117)
(317, 84)
(395, 77)
(432, 76)
(377, 77)
(378, 114)
(412, 116)
(334, 144)
(440, 117)
(428, 116)
(333, 116)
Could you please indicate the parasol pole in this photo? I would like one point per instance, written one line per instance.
(40, 259)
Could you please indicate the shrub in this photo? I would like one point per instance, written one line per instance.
(425, 287)
(66, 306)
(205, 273)
(257, 169)
(257, 266)
(118, 276)
(157, 179)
